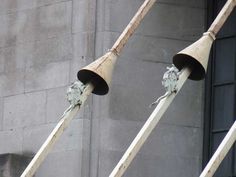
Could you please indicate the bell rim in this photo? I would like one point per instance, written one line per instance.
(182, 60)
(100, 85)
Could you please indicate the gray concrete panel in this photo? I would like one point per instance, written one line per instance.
(163, 20)
(188, 3)
(151, 165)
(165, 140)
(86, 140)
(150, 48)
(104, 42)
(83, 44)
(100, 15)
(40, 53)
(61, 164)
(75, 65)
(172, 140)
(164, 166)
(1, 113)
(11, 83)
(45, 77)
(136, 84)
(56, 104)
(24, 110)
(84, 12)
(11, 59)
(34, 137)
(117, 135)
(11, 141)
(187, 107)
(35, 24)
(10, 6)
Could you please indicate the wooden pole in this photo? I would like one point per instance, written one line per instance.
(132, 26)
(55, 134)
(230, 138)
(147, 128)
(222, 16)
(220, 153)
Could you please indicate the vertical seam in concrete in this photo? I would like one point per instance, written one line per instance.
(92, 99)
(98, 166)
(70, 64)
(72, 11)
(46, 103)
(72, 37)
(23, 140)
(2, 113)
(24, 75)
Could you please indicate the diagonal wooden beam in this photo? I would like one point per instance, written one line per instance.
(191, 60)
(56, 133)
(147, 128)
(220, 153)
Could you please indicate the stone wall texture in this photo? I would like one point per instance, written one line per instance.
(43, 43)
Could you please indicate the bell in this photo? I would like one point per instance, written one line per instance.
(99, 73)
(196, 56)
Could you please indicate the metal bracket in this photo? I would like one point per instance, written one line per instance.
(74, 93)
(170, 80)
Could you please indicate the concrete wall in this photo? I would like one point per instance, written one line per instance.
(175, 146)
(42, 45)
(40, 51)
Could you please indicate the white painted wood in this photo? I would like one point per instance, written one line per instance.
(220, 153)
(222, 16)
(132, 26)
(147, 128)
(55, 135)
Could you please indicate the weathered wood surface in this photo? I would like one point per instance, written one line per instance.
(220, 153)
(222, 16)
(228, 141)
(132, 26)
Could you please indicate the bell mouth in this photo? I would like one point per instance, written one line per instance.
(182, 60)
(100, 85)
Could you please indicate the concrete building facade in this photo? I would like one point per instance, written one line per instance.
(43, 43)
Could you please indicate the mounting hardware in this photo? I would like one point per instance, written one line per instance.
(170, 79)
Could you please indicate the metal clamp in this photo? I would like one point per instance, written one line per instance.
(170, 80)
(74, 93)
(211, 34)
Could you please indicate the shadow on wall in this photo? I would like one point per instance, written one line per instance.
(12, 165)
